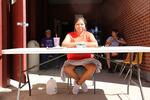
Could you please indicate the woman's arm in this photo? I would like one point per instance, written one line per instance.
(108, 41)
(93, 41)
(67, 42)
(122, 41)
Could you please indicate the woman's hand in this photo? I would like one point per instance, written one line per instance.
(121, 40)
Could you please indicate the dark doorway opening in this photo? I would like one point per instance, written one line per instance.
(59, 16)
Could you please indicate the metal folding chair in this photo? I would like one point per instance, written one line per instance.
(117, 61)
(134, 63)
(121, 62)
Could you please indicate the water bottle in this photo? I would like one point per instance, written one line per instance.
(51, 86)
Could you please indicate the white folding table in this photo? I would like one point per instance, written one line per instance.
(61, 50)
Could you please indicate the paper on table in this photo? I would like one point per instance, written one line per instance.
(58, 47)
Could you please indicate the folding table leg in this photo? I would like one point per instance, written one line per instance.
(20, 76)
(29, 83)
(20, 79)
(139, 78)
(140, 84)
(130, 78)
(18, 93)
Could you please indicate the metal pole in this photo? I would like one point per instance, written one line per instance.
(130, 76)
(139, 77)
(20, 76)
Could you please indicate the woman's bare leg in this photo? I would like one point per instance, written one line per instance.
(89, 71)
(114, 54)
(70, 71)
(108, 60)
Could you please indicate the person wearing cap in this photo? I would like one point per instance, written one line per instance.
(46, 42)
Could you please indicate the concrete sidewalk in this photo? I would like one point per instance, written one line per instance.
(109, 86)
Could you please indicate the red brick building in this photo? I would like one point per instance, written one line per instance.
(131, 17)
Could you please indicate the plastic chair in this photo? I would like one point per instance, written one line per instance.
(80, 70)
(135, 62)
(122, 62)
(116, 61)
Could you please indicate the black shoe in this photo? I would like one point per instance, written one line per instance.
(118, 70)
(111, 70)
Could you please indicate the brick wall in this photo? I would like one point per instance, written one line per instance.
(134, 21)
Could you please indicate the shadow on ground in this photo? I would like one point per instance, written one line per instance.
(64, 93)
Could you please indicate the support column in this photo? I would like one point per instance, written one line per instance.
(0, 43)
(4, 30)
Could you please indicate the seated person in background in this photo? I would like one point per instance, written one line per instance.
(90, 64)
(47, 41)
(113, 40)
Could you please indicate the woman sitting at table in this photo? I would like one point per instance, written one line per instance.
(46, 42)
(80, 37)
(113, 40)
